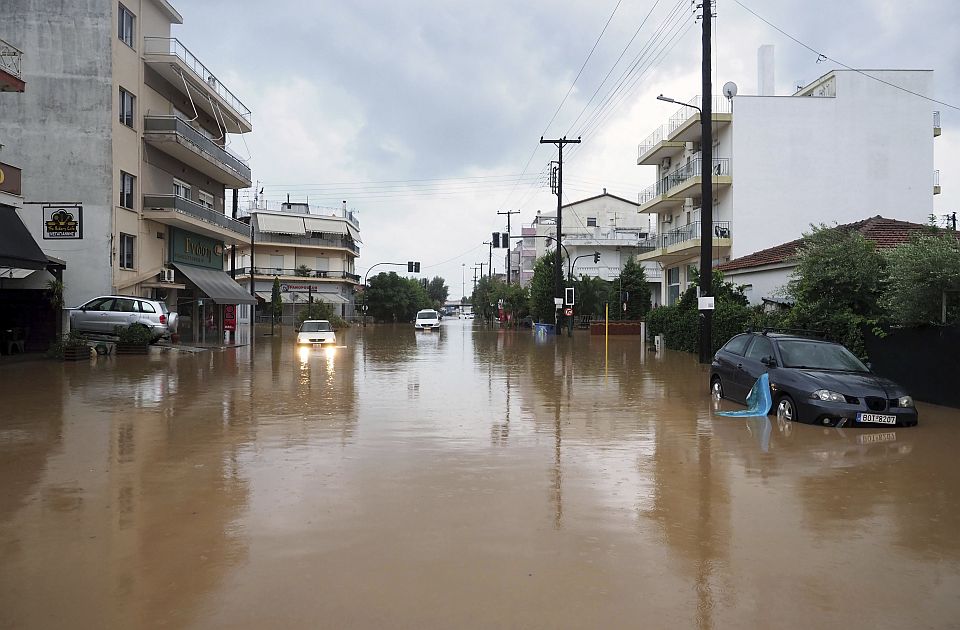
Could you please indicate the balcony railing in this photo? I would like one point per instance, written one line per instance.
(936, 182)
(721, 105)
(11, 59)
(652, 140)
(721, 229)
(174, 124)
(195, 210)
(936, 120)
(172, 46)
(315, 241)
(315, 211)
(721, 166)
(299, 273)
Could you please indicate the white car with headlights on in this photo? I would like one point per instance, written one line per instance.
(316, 332)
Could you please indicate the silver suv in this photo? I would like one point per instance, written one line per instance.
(103, 314)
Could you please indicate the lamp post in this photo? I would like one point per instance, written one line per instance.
(366, 288)
(706, 209)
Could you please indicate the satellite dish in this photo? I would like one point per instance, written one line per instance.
(729, 89)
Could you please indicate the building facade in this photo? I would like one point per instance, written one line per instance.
(312, 252)
(129, 131)
(843, 147)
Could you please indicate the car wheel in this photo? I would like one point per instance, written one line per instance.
(716, 388)
(786, 409)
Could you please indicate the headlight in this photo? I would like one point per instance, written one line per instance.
(828, 396)
(905, 401)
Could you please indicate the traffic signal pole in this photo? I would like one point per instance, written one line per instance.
(558, 275)
(507, 244)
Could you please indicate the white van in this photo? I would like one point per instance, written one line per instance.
(316, 332)
(427, 319)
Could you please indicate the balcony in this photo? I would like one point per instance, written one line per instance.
(682, 182)
(309, 241)
(684, 242)
(656, 147)
(190, 215)
(684, 125)
(936, 124)
(177, 138)
(297, 273)
(936, 182)
(11, 68)
(610, 239)
(175, 63)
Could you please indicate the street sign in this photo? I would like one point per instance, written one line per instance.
(568, 312)
(705, 303)
(558, 301)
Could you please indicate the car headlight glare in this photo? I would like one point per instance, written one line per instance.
(905, 401)
(827, 396)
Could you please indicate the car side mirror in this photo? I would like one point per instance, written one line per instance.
(769, 361)
(869, 366)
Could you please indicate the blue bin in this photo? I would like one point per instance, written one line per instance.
(542, 330)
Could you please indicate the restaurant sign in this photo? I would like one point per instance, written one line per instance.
(62, 222)
(10, 179)
(193, 249)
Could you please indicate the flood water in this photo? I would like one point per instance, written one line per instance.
(471, 478)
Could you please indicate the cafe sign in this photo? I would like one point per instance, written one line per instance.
(193, 249)
(62, 222)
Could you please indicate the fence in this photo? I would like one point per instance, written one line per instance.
(924, 361)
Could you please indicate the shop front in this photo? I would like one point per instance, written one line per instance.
(207, 307)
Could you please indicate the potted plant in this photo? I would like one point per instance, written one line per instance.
(71, 347)
(133, 339)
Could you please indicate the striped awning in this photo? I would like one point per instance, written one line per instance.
(278, 224)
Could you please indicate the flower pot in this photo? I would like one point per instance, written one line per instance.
(76, 353)
(132, 348)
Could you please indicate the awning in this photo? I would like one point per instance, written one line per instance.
(17, 247)
(219, 287)
(354, 233)
(303, 297)
(279, 224)
(327, 226)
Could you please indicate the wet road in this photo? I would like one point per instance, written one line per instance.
(468, 479)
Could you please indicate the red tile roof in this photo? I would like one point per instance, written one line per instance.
(885, 233)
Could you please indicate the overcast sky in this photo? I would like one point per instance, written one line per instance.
(425, 114)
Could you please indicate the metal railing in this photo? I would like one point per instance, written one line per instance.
(721, 166)
(298, 273)
(721, 105)
(315, 211)
(936, 120)
(936, 178)
(195, 210)
(175, 124)
(172, 46)
(11, 59)
(655, 138)
(315, 241)
(721, 229)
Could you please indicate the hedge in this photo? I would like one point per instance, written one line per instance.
(680, 325)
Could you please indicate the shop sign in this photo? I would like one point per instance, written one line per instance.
(62, 222)
(229, 317)
(193, 249)
(287, 288)
(10, 179)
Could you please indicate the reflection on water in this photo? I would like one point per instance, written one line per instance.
(418, 477)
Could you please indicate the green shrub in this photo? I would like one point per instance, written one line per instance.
(71, 340)
(137, 334)
(318, 309)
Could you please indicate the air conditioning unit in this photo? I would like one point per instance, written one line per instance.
(665, 163)
(166, 275)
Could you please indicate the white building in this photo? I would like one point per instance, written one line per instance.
(844, 147)
(313, 252)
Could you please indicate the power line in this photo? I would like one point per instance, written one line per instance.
(823, 56)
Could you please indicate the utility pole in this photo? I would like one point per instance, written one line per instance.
(706, 187)
(481, 270)
(953, 218)
(509, 259)
(489, 258)
(475, 279)
(558, 275)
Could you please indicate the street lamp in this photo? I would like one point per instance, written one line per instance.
(706, 216)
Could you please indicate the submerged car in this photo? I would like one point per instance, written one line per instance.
(104, 314)
(316, 332)
(427, 319)
(811, 380)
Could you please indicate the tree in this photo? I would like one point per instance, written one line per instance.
(318, 309)
(491, 292)
(542, 291)
(276, 303)
(302, 271)
(438, 291)
(633, 280)
(392, 298)
(591, 295)
(921, 271)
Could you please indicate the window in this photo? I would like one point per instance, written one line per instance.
(127, 184)
(673, 285)
(691, 269)
(277, 263)
(146, 307)
(125, 26)
(182, 189)
(205, 199)
(760, 348)
(126, 251)
(127, 103)
(99, 304)
(591, 221)
(738, 344)
(124, 305)
(323, 263)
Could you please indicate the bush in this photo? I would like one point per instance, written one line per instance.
(136, 334)
(71, 340)
(318, 309)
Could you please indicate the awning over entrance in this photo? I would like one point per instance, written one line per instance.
(218, 286)
(17, 247)
(303, 297)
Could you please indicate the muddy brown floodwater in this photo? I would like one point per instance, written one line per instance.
(468, 479)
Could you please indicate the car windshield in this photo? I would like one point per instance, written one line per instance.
(426, 315)
(819, 355)
(316, 327)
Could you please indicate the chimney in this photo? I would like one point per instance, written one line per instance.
(604, 191)
(765, 65)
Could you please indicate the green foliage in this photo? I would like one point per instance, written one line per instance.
(591, 295)
(137, 334)
(318, 309)
(438, 291)
(393, 298)
(490, 291)
(71, 340)
(276, 301)
(303, 271)
(633, 280)
(920, 271)
(542, 289)
(55, 294)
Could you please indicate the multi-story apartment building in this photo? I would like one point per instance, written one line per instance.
(127, 130)
(312, 252)
(846, 146)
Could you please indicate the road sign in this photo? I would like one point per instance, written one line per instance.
(568, 312)
(705, 304)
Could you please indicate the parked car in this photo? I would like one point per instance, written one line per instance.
(102, 315)
(316, 332)
(427, 319)
(811, 380)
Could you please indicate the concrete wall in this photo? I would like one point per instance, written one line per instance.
(59, 130)
(805, 159)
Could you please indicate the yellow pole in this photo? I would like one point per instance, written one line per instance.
(606, 335)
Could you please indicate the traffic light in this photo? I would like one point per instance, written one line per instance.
(416, 267)
(596, 257)
(505, 240)
(496, 240)
(568, 296)
(409, 266)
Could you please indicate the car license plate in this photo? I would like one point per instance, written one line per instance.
(876, 438)
(317, 344)
(876, 418)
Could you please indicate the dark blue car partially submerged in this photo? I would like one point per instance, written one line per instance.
(811, 380)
